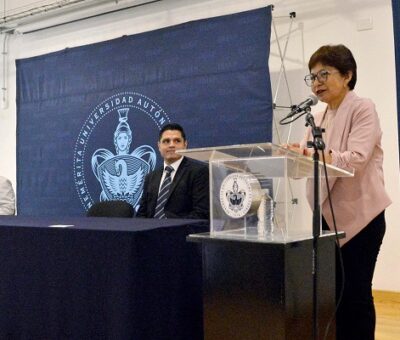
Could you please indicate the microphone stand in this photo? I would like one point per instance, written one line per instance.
(318, 145)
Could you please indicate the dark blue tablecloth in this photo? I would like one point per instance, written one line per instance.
(101, 278)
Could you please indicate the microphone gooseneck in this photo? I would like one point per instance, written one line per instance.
(303, 107)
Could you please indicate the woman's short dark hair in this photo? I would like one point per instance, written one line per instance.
(172, 126)
(337, 56)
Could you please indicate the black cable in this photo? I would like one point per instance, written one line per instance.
(339, 300)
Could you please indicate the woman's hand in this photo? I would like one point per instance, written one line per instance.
(308, 152)
(295, 147)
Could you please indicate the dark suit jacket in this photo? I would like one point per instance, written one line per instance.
(188, 196)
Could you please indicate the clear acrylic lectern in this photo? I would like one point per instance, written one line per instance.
(260, 192)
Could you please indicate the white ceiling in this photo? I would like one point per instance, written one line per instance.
(17, 13)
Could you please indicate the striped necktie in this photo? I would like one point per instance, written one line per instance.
(163, 194)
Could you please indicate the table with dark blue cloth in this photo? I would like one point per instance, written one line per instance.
(99, 278)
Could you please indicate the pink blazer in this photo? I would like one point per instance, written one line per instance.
(354, 143)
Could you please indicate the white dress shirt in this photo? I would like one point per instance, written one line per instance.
(175, 166)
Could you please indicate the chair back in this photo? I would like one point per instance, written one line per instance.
(111, 209)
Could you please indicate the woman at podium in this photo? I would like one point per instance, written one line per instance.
(353, 141)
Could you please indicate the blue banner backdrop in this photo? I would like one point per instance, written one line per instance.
(88, 118)
(396, 28)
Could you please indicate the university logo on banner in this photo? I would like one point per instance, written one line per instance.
(103, 115)
(119, 172)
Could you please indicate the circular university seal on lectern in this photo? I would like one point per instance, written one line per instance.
(240, 194)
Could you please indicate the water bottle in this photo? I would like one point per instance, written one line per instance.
(265, 214)
(269, 213)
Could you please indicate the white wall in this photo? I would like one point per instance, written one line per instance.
(333, 22)
(317, 23)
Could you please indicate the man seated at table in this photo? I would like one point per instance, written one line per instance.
(180, 188)
(7, 197)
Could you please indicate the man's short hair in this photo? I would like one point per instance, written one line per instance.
(172, 126)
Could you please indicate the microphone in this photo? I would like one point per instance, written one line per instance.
(304, 105)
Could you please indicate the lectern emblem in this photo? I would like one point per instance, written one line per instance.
(239, 193)
(235, 197)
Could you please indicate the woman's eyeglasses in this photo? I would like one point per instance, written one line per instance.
(322, 76)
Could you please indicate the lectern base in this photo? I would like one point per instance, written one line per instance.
(254, 290)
